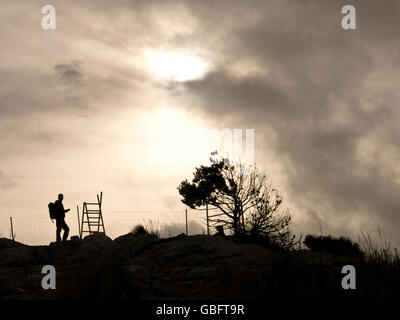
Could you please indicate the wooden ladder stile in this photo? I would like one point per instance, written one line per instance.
(92, 218)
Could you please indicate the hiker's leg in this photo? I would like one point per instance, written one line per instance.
(58, 233)
(66, 231)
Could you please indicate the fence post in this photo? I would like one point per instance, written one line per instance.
(187, 233)
(208, 228)
(12, 231)
(79, 222)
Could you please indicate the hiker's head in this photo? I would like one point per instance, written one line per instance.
(61, 197)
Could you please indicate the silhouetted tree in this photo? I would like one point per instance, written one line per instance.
(245, 203)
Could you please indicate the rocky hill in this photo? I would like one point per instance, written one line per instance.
(194, 267)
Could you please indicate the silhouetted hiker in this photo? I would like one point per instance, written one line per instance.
(60, 222)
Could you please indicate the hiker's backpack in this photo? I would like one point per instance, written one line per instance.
(52, 210)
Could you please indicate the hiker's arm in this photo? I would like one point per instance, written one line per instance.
(65, 211)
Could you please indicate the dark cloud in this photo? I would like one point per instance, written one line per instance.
(69, 73)
(69, 77)
(310, 88)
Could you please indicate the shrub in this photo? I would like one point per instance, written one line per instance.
(141, 230)
(337, 246)
(376, 252)
(153, 228)
(286, 242)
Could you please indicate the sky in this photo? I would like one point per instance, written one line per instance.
(83, 105)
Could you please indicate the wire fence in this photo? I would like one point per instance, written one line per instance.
(39, 229)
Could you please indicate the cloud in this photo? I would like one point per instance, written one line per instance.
(7, 182)
(69, 73)
(323, 101)
(313, 86)
(124, 182)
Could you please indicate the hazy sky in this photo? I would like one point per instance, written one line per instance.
(78, 105)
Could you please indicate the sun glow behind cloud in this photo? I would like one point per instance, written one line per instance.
(174, 66)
